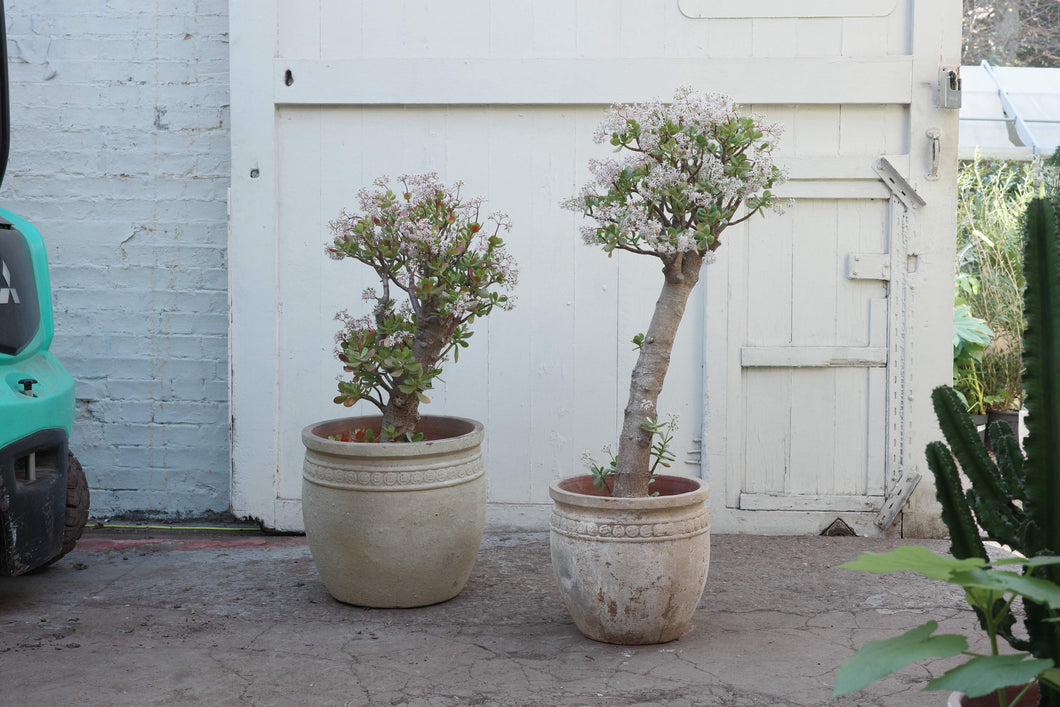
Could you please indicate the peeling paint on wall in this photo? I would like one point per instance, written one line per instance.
(120, 156)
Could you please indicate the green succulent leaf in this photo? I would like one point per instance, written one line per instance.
(971, 335)
(878, 659)
(985, 674)
(1040, 591)
(1051, 676)
(913, 558)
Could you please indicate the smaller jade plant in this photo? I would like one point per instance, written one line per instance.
(439, 268)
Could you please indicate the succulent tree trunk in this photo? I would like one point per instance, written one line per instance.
(402, 411)
(632, 470)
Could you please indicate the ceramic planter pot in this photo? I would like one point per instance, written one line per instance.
(980, 422)
(394, 524)
(1030, 699)
(1013, 418)
(631, 570)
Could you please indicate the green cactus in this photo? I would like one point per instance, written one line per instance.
(1014, 499)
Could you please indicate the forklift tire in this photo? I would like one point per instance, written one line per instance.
(76, 504)
(76, 509)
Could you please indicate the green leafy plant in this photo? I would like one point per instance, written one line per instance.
(661, 454)
(689, 170)
(438, 269)
(1014, 499)
(971, 336)
(990, 589)
(992, 199)
(362, 434)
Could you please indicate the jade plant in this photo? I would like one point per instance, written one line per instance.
(689, 170)
(440, 265)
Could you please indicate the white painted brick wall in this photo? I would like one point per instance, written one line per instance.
(120, 156)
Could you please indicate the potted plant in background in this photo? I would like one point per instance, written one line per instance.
(631, 549)
(395, 504)
(971, 336)
(992, 199)
(1013, 498)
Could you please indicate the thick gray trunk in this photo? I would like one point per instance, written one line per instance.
(403, 410)
(633, 466)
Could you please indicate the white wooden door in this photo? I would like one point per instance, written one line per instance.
(839, 318)
(328, 94)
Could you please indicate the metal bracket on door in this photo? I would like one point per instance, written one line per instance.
(898, 185)
(896, 500)
(869, 266)
(936, 153)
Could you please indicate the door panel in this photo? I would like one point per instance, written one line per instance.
(789, 373)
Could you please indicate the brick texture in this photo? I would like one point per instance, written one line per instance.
(120, 156)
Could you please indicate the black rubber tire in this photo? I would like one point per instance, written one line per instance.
(76, 504)
(76, 510)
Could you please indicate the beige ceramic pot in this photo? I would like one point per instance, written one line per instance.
(394, 524)
(631, 570)
(1029, 699)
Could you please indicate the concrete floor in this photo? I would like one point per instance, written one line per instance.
(170, 617)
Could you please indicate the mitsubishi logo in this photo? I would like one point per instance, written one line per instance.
(7, 292)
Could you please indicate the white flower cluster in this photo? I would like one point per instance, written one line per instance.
(676, 185)
(415, 230)
(350, 324)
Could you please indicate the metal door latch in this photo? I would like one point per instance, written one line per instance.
(950, 87)
(936, 152)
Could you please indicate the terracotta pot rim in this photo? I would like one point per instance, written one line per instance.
(698, 493)
(471, 433)
(959, 699)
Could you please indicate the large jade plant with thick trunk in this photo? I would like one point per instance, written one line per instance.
(688, 170)
(440, 265)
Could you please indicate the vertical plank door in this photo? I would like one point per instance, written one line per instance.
(792, 370)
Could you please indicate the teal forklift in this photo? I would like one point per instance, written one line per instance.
(43, 491)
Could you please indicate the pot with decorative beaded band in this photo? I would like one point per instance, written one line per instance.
(394, 524)
(631, 570)
(395, 505)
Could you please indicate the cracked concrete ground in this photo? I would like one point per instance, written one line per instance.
(237, 618)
